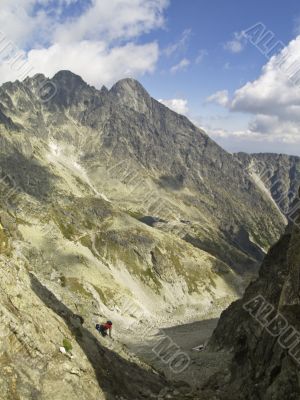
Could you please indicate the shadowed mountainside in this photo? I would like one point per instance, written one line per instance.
(262, 330)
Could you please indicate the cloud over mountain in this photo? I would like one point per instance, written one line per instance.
(102, 36)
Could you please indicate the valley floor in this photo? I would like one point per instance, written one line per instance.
(196, 367)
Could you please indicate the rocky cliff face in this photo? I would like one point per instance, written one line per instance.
(35, 324)
(279, 174)
(113, 206)
(262, 330)
(140, 155)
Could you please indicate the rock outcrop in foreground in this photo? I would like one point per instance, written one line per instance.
(262, 330)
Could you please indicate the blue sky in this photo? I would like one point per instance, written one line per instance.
(213, 24)
(192, 55)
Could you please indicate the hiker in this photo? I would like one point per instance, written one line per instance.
(103, 328)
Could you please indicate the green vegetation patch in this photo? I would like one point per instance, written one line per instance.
(67, 345)
(4, 242)
(106, 294)
(74, 285)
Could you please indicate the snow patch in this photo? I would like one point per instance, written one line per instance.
(55, 149)
(260, 184)
(70, 162)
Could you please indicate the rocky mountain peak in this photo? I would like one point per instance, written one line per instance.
(66, 77)
(70, 89)
(104, 90)
(129, 85)
(130, 92)
(36, 77)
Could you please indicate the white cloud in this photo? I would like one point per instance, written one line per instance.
(201, 55)
(118, 19)
(224, 133)
(16, 20)
(274, 98)
(178, 105)
(237, 44)
(276, 91)
(234, 46)
(253, 142)
(274, 129)
(107, 65)
(30, 21)
(99, 44)
(183, 64)
(220, 97)
(271, 103)
(180, 45)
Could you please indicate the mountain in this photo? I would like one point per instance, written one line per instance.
(134, 150)
(279, 174)
(262, 329)
(113, 206)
